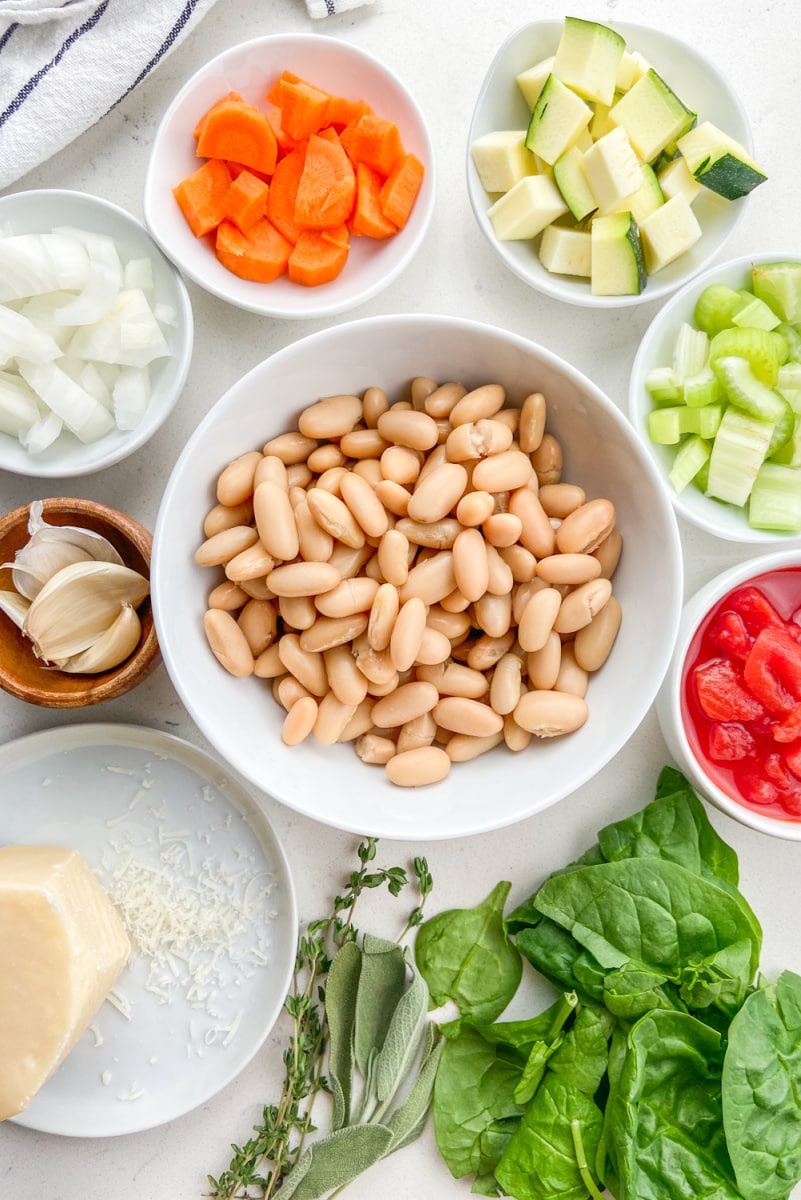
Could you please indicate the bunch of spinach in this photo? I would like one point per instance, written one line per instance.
(666, 1067)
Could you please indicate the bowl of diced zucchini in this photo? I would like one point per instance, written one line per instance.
(715, 394)
(607, 164)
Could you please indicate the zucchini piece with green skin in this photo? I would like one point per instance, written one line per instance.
(618, 266)
(613, 171)
(571, 179)
(719, 162)
(588, 57)
(648, 197)
(653, 116)
(558, 119)
(532, 80)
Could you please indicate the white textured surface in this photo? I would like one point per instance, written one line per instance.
(441, 51)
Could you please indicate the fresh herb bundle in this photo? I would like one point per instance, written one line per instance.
(358, 1006)
(667, 1066)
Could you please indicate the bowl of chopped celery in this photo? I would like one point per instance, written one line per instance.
(607, 164)
(715, 394)
(96, 334)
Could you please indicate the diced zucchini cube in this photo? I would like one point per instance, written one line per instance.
(613, 170)
(652, 115)
(676, 178)
(633, 65)
(587, 58)
(502, 159)
(618, 268)
(532, 80)
(558, 118)
(647, 198)
(600, 123)
(571, 179)
(566, 251)
(720, 162)
(668, 232)
(527, 208)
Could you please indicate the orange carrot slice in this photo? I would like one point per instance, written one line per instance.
(241, 132)
(283, 192)
(373, 140)
(223, 99)
(303, 108)
(400, 189)
(246, 200)
(261, 254)
(275, 89)
(327, 187)
(319, 256)
(342, 111)
(368, 219)
(201, 196)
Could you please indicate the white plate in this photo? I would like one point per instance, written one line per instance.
(112, 791)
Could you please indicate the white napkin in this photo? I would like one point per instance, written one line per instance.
(64, 65)
(330, 8)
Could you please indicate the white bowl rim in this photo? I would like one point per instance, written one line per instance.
(555, 288)
(693, 613)
(490, 821)
(321, 308)
(146, 428)
(762, 538)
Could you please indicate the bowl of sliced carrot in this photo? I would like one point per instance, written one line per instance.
(292, 176)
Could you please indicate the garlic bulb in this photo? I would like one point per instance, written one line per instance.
(75, 599)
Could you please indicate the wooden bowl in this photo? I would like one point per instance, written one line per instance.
(21, 672)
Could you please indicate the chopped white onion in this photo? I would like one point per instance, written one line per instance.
(18, 407)
(131, 396)
(34, 263)
(103, 281)
(79, 411)
(42, 433)
(20, 338)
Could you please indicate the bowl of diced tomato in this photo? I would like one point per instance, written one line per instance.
(292, 176)
(730, 705)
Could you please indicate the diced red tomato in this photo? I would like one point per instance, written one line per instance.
(730, 635)
(792, 758)
(772, 671)
(722, 692)
(788, 729)
(756, 610)
(729, 742)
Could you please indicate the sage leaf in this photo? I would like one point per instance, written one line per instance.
(334, 1161)
(464, 955)
(340, 1001)
(402, 1042)
(762, 1090)
(408, 1120)
(382, 981)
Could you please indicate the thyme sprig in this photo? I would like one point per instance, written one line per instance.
(258, 1167)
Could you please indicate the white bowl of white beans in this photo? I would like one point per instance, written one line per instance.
(411, 597)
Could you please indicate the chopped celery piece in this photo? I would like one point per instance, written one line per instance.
(701, 388)
(793, 398)
(742, 387)
(701, 480)
(776, 499)
(764, 349)
(789, 378)
(779, 285)
(755, 314)
(663, 386)
(793, 339)
(691, 456)
(790, 453)
(703, 421)
(715, 308)
(690, 351)
(667, 426)
(739, 450)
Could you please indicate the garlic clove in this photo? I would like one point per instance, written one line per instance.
(15, 607)
(78, 604)
(112, 647)
(39, 561)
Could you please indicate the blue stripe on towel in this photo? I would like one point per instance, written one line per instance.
(183, 17)
(36, 79)
(7, 35)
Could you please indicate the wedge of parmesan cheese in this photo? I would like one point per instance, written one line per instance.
(62, 946)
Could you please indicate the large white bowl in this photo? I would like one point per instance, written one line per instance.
(695, 79)
(42, 211)
(602, 453)
(669, 699)
(725, 521)
(250, 69)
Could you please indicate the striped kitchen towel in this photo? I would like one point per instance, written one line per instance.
(66, 63)
(330, 8)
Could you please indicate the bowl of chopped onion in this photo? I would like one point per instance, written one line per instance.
(96, 334)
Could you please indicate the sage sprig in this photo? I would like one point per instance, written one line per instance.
(329, 1023)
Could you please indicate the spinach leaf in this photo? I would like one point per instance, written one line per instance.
(653, 913)
(583, 1056)
(762, 1090)
(465, 956)
(663, 1127)
(540, 1161)
(555, 953)
(631, 991)
(721, 979)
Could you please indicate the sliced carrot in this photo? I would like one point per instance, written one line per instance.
(400, 189)
(319, 256)
(327, 187)
(303, 109)
(201, 196)
(283, 192)
(241, 132)
(261, 254)
(223, 99)
(245, 201)
(373, 140)
(237, 168)
(368, 219)
(275, 88)
(342, 111)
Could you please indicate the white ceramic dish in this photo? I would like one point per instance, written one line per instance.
(113, 791)
(655, 349)
(250, 69)
(696, 80)
(669, 705)
(41, 211)
(331, 784)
